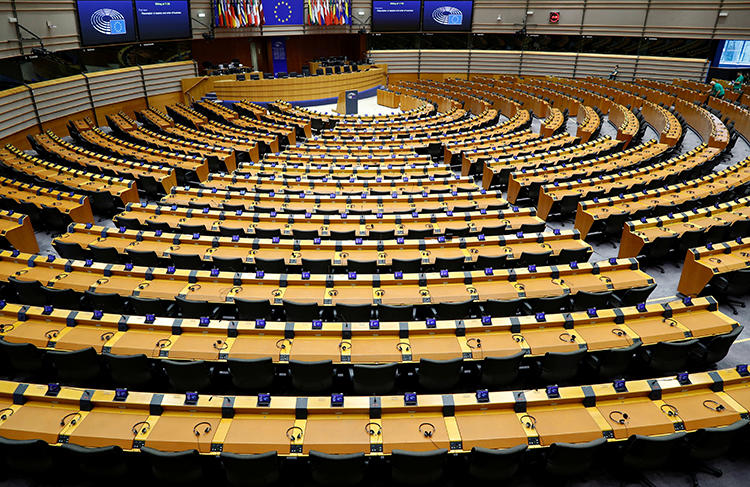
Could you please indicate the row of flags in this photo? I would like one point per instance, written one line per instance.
(329, 12)
(234, 14)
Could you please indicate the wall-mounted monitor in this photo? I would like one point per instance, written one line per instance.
(447, 15)
(734, 54)
(163, 19)
(106, 21)
(396, 16)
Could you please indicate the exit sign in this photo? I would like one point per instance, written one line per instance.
(554, 17)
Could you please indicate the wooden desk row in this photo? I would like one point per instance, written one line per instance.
(74, 205)
(729, 179)
(15, 228)
(223, 158)
(526, 183)
(552, 123)
(214, 110)
(327, 290)
(244, 148)
(270, 182)
(370, 157)
(163, 178)
(639, 233)
(703, 263)
(343, 170)
(337, 202)
(372, 425)
(362, 342)
(303, 112)
(497, 171)
(453, 144)
(511, 220)
(248, 108)
(184, 165)
(367, 127)
(699, 160)
(338, 252)
(456, 150)
(471, 160)
(589, 122)
(123, 190)
(711, 129)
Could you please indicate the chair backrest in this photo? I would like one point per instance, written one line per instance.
(671, 356)
(439, 375)
(502, 307)
(352, 313)
(31, 457)
(492, 465)
(389, 312)
(377, 379)
(188, 376)
(646, 452)
(739, 283)
(24, 358)
(501, 371)
(79, 367)
(180, 467)
(194, 308)
(454, 311)
(303, 312)
(251, 374)
(710, 443)
(251, 470)
(717, 347)
(417, 468)
(311, 377)
(337, 470)
(131, 371)
(614, 362)
(252, 309)
(98, 462)
(637, 295)
(561, 366)
(570, 459)
(583, 300)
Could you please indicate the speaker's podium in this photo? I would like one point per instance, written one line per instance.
(348, 102)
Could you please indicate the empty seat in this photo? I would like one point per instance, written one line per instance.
(311, 377)
(407, 265)
(362, 266)
(29, 457)
(713, 349)
(104, 254)
(534, 258)
(583, 300)
(145, 258)
(274, 266)
(256, 470)
(70, 250)
(61, 298)
(316, 266)
(389, 312)
(449, 263)
(571, 459)
(229, 264)
(551, 304)
(377, 379)
(143, 306)
(711, 443)
(103, 464)
(643, 453)
(78, 368)
(251, 374)
(331, 470)
(417, 468)
(186, 261)
(557, 367)
(566, 256)
(439, 375)
(351, 313)
(633, 296)
(500, 371)
(188, 376)
(454, 310)
(106, 302)
(490, 465)
(175, 468)
(25, 359)
(302, 312)
(131, 371)
(500, 307)
(252, 309)
(190, 308)
(28, 292)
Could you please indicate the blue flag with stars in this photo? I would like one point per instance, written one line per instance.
(284, 12)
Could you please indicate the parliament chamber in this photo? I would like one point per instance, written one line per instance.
(375, 246)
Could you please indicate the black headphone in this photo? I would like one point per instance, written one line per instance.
(428, 431)
(567, 337)
(163, 342)
(371, 431)
(146, 426)
(345, 345)
(50, 334)
(72, 421)
(518, 338)
(531, 423)
(671, 410)
(292, 437)
(207, 429)
(618, 331)
(714, 405)
(106, 336)
(220, 345)
(406, 345)
(4, 413)
(623, 417)
(280, 344)
(477, 342)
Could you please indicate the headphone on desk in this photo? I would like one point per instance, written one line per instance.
(292, 436)
(623, 417)
(428, 431)
(146, 426)
(567, 337)
(106, 336)
(713, 405)
(220, 344)
(4, 413)
(531, 421)
(72, 421)
(207, 429)
(371, 431)
(50, 334)
(618, 331)
(671, 410)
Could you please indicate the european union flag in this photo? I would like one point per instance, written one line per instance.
(284, 12)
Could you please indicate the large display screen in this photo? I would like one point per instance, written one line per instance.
(733, 54)
(452, 15)
(162, 19)
(106, 21)
(395, 16)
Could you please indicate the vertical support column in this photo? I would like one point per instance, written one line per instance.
(143, 83)
(91, 97)
(36, 109)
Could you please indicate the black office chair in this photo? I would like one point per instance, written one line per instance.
(396, 313)
(457, 232)
(351, 313)
(225, 231)
(300, 234)
(549, 304)
(104, 464)
(419, 234)
(311, 377)
(534, 258)
(131, 371)
(583, 300)
(489, 230)
(190, 308)
(532, 227)
(376, 380)
(70, 250)
(106, 302)
(251, 374)
(190, 229)
(557, 367)
(454, 311)
(449, 263)
(633, 296)
(411, 266)
(611, 363)
(716, 233)
(175, 468)
(736, 284)
(666, 357)
(78, 368)
(502, 307)
(382, 234)
(301, 312)
(711, 443)
(25, 359)
(145, 258)
(642, 453)
(739, 229)
(571, 459)
(713, 349)
(259, 470)
(28, 292)
(660, 250)
(316, 266)
(188, 376)
(252, 309)
(105, 254)
(186, 261)
(261, 232)
(143, 306)
(566, 256)
(273, 266)
(409, 468)
(362, 266)
(492, 262)
(439, 375)
(500, 371)
(61, 298)
(230, 264)
(490, 465)
(337, 470)
(33, 458)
